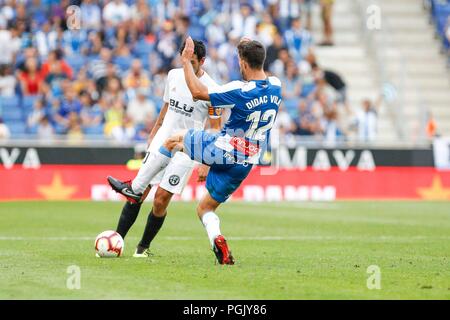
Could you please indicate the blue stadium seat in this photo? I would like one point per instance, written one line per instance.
(9, 102)
(16, 127)
(76, 62)
(10, 109)
(143, 48)
(124, 63)
(28, 102)
(96, 130)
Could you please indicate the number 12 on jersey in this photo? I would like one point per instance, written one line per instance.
(256, 132)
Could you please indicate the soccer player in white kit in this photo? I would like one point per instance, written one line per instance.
(180, 112)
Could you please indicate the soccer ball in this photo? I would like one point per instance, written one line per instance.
(109, 244)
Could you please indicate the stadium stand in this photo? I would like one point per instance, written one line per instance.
(76, 78)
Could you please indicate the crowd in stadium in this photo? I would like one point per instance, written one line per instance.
(100, 71)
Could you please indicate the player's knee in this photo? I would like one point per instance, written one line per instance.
(160, 202)
(203, 208)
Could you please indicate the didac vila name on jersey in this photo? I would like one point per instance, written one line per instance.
(180, 107)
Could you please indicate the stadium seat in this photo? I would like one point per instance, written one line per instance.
(76, 62)
(124, 63)
(27, 103)
(143, 48)
(16, 127)
(95, 130)
(10, 109)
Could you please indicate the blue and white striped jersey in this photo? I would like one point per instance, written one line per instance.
(254, 107)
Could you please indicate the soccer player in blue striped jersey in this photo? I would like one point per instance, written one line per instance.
(231, 153)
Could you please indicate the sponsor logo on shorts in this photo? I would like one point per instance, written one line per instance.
(174, 180)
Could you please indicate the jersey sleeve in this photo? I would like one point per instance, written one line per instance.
(225, 96)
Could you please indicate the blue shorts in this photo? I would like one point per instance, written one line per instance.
(224, 177)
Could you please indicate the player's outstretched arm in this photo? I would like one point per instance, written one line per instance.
(198, 90)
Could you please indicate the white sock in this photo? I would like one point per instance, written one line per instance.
(212, 225)
(156, 161)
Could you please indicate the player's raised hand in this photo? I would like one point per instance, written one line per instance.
(188, 50)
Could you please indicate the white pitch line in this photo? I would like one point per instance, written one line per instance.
(248, 238)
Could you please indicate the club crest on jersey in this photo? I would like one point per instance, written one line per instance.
(174, 180)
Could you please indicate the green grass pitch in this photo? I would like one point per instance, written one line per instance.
(283, 251)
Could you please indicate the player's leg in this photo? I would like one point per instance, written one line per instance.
(155, 221)
(129, 214)
(153, 163)
(173, 181)
(221, 182)
(206, 211)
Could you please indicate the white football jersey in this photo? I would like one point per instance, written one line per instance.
(183, 112)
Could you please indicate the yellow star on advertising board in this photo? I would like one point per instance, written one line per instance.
(56, 190)
(436, 191)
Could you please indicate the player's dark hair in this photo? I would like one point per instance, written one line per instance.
(199, 49)
(253, 53)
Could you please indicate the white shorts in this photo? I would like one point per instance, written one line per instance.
(176, 175)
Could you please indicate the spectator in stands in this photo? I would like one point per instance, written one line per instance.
(266, 30)
(45, 130)
(288, 11)
(136, 78)
(307, 8)
(113, 116)
(298, 40)
(273, 50)
(74, 131)
(292, 88)
(431, 126)
(31, 78)
(22, 20)
(124, 132)
(91, 115)
(69, 105)
(141, 17)
(216, 66)
(55, 61)
(306, 124)
(165, 10)
(333, 79)
(35, 116)
(4, 131)
(7, 81)
(46, 39)
(114, 91)
(284, 124)
(329, 124)
(98, 68)
(366, 120)
(91, 15)
(279, 65)
(138, 44)
(243, 22)
(215, 33)
(166, 46)
(55, 81)
(327, 14)
(141, 109)
(10, 44)
(116, 12)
